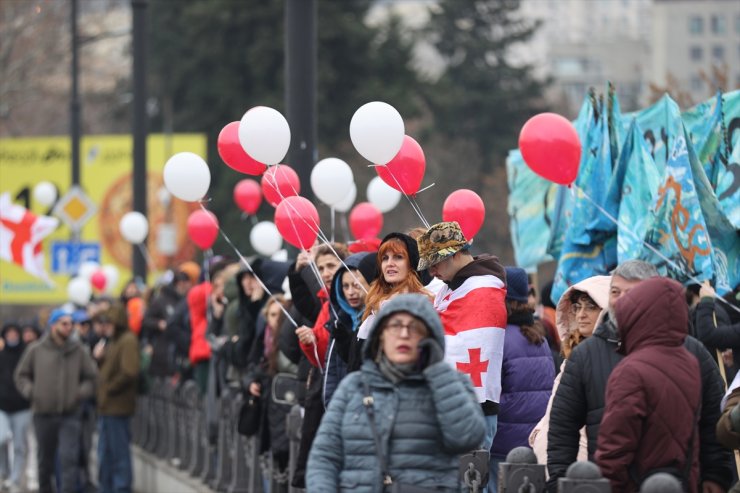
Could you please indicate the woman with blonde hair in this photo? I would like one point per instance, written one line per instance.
(396, 261)
(576, 316)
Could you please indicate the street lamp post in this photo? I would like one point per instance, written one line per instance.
(74, 105)
(139, 130)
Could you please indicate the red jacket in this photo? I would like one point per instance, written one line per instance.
(654, 394)
(321, 334)
(198, 297)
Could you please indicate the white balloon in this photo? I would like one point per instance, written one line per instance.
(280, 256)
(134, 227)
(112, 277)
(45, 193)
(87, 269)
(377, 132)
(264, 134)
(331, 178)
(381, 195)
(265, 238)
(186, 176)
(79, 291)
(348, 201)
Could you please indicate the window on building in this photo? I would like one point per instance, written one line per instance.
(719, 24)
(718, 52)
(696, 24)
(697, 84)
(696, 53)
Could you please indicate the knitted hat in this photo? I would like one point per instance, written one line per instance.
(409, 242)
(56, 314)
(517, 284)
(439, 242)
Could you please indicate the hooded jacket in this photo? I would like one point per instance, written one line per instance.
(198, 298)
(11, 401)
(424, 422)
(653, 396)
(473, 311)
(119, 376)
(579, 401)
(56, 378)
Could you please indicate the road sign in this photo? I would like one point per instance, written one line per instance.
(67, 256)
(75, 208)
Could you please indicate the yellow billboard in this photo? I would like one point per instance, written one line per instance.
(106, 179)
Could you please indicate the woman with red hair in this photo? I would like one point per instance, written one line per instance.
(396, 263)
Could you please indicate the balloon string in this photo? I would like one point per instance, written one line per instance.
(246, 263)
(332, 224)
(147, 258)
(414, 205)
(644, 243)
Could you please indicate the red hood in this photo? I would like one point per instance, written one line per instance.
(653, 313)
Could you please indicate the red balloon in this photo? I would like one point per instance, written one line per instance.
(297, 220)
(466, 207)
(248, 196)
(203, 228)
(279, 182)
(551, 148)
(365, 221)
(364, 245)
(98, 280)
(406, 170)
(233, 154)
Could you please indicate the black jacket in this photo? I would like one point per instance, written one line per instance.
(162, 307)
(11, 400)
(714, 328)
(580, 401)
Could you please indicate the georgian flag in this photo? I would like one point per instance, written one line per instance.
(474, 319)
(21, 233)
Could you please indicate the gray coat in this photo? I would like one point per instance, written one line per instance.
(423, 428)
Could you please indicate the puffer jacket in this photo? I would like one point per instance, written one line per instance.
(579, 401)
(424, 422)
(527, 375)
(653, 396)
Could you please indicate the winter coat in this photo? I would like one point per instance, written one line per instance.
(473, 311)
(579, 401)
(714, 328)
(56, 378)
(424, 422)
(527, 375)
(726, 433)
(119, 376)
(198, 299)
(653, 396)
(162, 307)
(597, 287)
(11, 401)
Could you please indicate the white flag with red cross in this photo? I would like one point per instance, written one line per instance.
(474, 319)
(21, 234)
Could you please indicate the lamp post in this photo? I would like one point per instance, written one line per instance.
(139, 130)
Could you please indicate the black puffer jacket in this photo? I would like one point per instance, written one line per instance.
(580, 401)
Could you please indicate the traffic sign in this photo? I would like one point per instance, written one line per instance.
(67, 256)
(75, 208)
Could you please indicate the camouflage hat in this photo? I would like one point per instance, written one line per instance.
(439, 242)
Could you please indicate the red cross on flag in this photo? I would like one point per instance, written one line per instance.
(21, 234)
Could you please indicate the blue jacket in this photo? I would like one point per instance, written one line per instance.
(425, 421)
(527, 376)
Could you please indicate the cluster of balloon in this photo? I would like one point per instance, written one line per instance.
(365, 221)
(203, 228)
(297, 220)
(231, 151)
(248, 196)
(91, 275)
(551, 148)
(466, 207)
(280, 182)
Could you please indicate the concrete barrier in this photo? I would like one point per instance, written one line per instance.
(153, 475)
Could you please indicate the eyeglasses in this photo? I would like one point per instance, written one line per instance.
(589, 307)
(414, 328)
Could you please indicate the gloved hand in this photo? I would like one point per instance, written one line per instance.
(431, 351)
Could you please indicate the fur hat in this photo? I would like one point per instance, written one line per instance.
(440, 241)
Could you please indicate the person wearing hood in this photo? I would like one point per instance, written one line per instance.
(117, 389)
(527, 372)
(56, 374)
(473, 311)
(653, 396)
(405, 417)
(15, 410)
(576, 314)
(580, 398)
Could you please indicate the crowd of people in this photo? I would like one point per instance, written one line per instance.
(402, 360)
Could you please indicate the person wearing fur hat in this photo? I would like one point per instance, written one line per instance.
(56, 374)
(473, 311)
(405, 417)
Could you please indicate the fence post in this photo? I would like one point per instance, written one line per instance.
(197, 430)
(293, 429)
(583, 476)
(225, 435)
(521, 473)
(162, 418)
(239, 469)
(172, 411)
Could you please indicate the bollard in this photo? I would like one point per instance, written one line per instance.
(661, 482)
(171, 446)
(521, 473)
(239, 469)
(474, 470)
(583, 477)
(223, 469)
(195, 432)
(162, 419)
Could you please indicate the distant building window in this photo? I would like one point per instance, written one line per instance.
(718, 52)
(719, 24)
(696, 53)
(696, 83)
(696, 24)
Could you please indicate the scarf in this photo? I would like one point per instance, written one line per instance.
(393, 372)
(521, 319)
